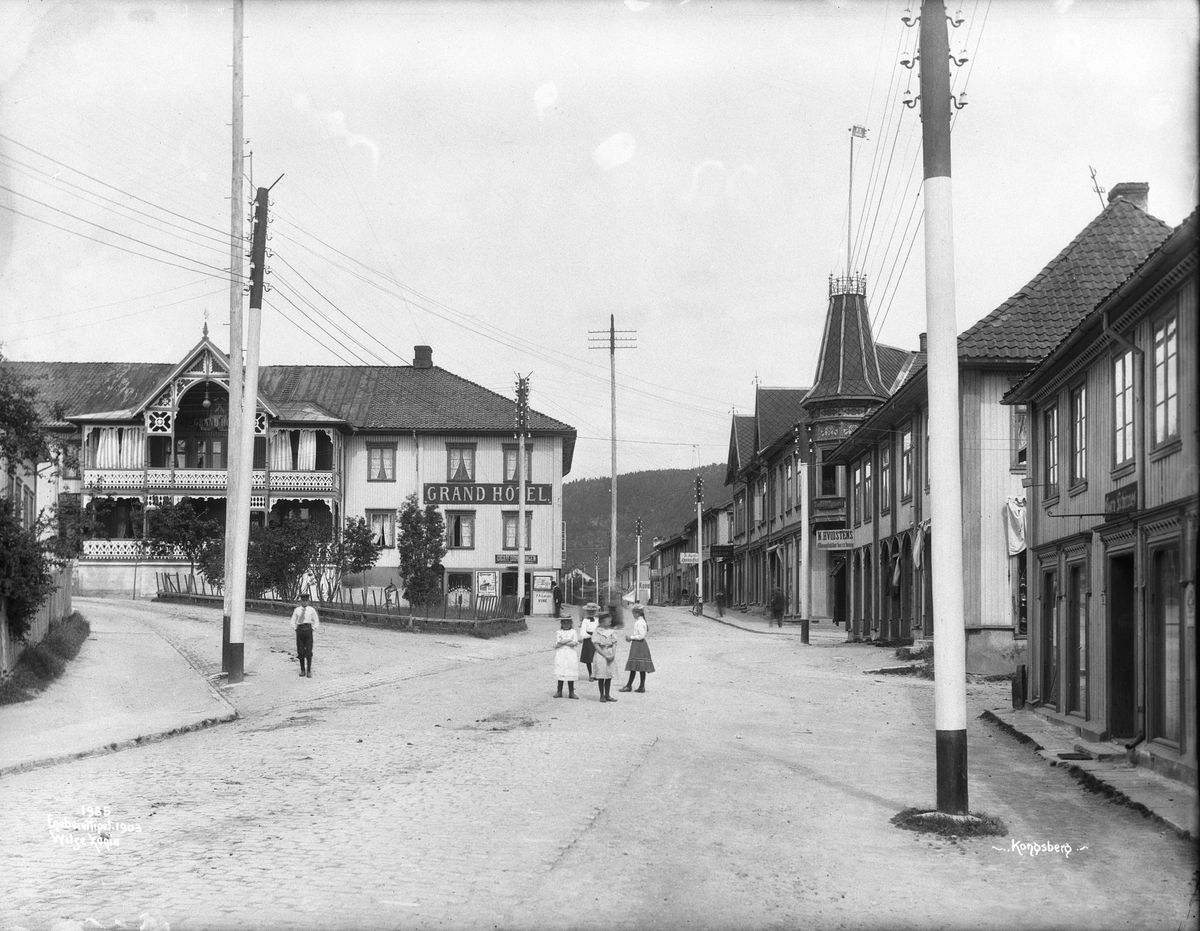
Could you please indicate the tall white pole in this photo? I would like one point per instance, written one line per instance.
(612, 355)
(236, 247)
(945, 485)
(805, 543)
(699, 539)
(522, 417)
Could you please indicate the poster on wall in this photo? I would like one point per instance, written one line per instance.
(542, 603)
(487, 582)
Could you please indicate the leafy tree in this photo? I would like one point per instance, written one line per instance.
(25, 576)
(22, 435)
(421, 542)
(180, 528)
(352, 552)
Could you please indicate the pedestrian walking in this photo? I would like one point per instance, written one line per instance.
(639, 651)
(556, 596)
(587, 627)
(304, 621)
(778, 604)
(605, 640)
(566, 660)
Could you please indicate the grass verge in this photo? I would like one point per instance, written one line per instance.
(42, 663)
(935, 822)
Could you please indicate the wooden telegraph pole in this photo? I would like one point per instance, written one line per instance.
(610, 340)
(522, 424)
(945, 484)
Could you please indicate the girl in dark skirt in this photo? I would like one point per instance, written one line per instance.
(587, 627)
(639, 651)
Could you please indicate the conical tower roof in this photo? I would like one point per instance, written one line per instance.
(848, 365)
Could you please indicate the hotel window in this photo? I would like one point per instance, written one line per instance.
(510, 463)
(868, 507)
(906, 464)
(885, 478)
(1166, 380)
(460, 463)
(510, 529)
(381, 463)
(1123, 409)
(460, 530)
(1050, 453)
(1020, 437)
(383, 527)
(1079, 434)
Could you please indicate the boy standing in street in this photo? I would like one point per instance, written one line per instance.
(304, 620)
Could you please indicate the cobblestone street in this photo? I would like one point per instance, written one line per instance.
(429, 781)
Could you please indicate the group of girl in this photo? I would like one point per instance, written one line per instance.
(599, 652)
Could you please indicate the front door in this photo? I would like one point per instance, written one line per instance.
(1122, 639)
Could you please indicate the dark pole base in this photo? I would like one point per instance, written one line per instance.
(804, 630)
(236, 658)
(225, 644)
(952, 772)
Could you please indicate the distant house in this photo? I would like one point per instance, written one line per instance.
(331, 443)
(1113, 511)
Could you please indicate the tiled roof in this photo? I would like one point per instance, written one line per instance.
(777, 410)
(848, 366)
(1032, 322)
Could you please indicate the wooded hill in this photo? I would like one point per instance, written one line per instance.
(665, 500)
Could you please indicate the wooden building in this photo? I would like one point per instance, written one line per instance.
(1113, 514)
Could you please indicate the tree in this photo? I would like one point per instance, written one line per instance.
(25, 577)
(421, 542)
(180, 528)
(352, 552)
(22, 435)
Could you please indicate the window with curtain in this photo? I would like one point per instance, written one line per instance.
(856, 493)
(885, 478)
(868, 507)
(281, 451)
(460, 530)
(1020, 437)
(306, 453)
(381, 463)
(787, 485)
(906, 463)
(1079, 434)
(1164, 646)
(1050, 451)
(460, 463)
(510, 529)
(1077, 617)
(1166, 380)
(510, 463)
(383, 527)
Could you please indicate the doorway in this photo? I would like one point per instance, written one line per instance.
(1122, 639)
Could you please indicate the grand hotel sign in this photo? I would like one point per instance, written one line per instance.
(472, 493)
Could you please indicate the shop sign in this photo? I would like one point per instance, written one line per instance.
(721, 551)
(1121, 501)
(689, 559)
(510, 559)
(463, 493)
(835, 539)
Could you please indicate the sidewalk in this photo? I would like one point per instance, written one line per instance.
(823, 633)
(127, 686)
(1104, 768)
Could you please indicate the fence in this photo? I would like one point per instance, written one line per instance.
(379, 602)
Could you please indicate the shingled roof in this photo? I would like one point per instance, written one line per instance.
(848, 367)
(777, 410)
(1033, 321)
(741, 446)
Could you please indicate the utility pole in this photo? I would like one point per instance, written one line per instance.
(945, 491)
(699, 538)
(522, 431)
(614, 342)
(236, 246)
(235, 582)
(805, 537)
(856, 132)
(637, 530)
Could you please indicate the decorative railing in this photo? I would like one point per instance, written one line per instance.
(126, 549)
(102, 480)
(829, 503)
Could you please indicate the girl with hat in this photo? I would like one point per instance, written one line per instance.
(605, 660)
(566, 660)
(587, 627)
(639, 651)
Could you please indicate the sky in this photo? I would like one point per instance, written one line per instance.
(500, 180)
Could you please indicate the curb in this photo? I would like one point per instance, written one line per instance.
(119, 745)
(751, 630)
(1089, 780)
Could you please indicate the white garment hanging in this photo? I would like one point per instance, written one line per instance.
(306, 459)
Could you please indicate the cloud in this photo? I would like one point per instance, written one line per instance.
(544, 98)
(615, 150)
(333, 123)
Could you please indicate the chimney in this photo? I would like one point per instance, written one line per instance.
(422, 357)
(922, 344)
(1136, 192)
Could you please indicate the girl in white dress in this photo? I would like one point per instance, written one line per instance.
(605, 660)
(566, 660)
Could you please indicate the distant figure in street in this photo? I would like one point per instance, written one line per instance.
(605, 640)
(556, 595)
(304, 621)
(587, 627)
(639, 651)
(566, 660)
(778, 604)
